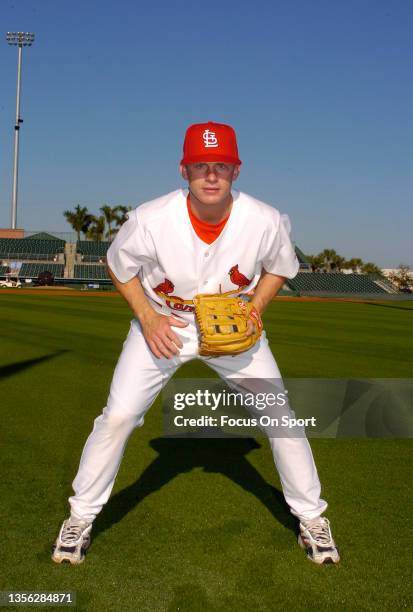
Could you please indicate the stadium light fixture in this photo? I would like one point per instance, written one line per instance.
(25, 39)
(19, 40)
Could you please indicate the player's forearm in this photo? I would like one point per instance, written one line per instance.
(134, 295)
(267, 288)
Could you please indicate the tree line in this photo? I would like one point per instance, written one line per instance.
(330, 261)
(97, 227)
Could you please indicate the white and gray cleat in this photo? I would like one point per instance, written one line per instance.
(316, 539)
(72, 542)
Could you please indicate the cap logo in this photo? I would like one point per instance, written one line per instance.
(210, 140)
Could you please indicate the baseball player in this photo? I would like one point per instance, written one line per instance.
(206, 239)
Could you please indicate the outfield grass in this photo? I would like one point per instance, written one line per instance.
(197, 525)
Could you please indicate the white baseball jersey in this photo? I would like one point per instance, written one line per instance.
(159, 245)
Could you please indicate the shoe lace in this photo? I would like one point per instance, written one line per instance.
(320, 530)
(72, 531)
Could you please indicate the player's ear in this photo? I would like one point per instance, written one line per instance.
(236, 172)
(184, 172)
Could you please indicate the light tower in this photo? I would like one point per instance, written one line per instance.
(19, 40)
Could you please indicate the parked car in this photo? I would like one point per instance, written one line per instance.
(10, 283)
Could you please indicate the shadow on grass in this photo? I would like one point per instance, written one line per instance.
(394, 307)
(19, 366)
(176, 456)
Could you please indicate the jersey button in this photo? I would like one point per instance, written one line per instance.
(206, 254)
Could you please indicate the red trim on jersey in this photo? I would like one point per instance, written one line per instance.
(207, 232)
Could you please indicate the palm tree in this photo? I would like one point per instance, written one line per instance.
(371, 268)
(328, 256)
(122, 214)
(96, 229)
(338, 263)
(315, 262)
(110, 216)
(355, 263)
(80, 219)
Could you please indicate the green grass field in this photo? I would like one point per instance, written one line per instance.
(196, 525)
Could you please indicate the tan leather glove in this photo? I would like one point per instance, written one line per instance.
(223, 324)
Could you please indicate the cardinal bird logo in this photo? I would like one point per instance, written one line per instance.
(174, 302)
(237, 278)
(166, 287)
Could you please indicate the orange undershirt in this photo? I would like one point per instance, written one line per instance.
(207, 232)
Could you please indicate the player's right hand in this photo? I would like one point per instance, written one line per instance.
(159, 335)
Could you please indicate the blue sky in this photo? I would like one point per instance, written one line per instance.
(320, 93)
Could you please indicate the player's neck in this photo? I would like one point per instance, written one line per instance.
(211, 213)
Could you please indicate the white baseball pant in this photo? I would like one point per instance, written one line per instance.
(138, 378)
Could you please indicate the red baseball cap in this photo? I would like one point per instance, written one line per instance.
(210, 142)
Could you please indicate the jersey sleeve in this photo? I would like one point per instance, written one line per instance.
(280, 257)
(130, 250)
